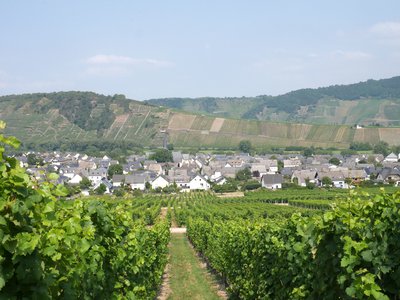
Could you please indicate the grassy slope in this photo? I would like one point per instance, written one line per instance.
(187, 279)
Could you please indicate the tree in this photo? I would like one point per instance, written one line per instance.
(245, 146)
(243, 175)
(381, 148)
(147, 185)
(281, 165)
(326, 181)
(309, 152)
(101, 189)
(334, 161)
(348, 181)
(251, 185)
(85, 183)
(33, 160)
(115, 170)
(119, 192)
(162, 155)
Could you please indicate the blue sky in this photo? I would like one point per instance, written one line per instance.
(152, 49)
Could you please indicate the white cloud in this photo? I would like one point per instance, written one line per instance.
(103, 59)
(386, 29)
(107, 71)
(352, 55)
(118, 66)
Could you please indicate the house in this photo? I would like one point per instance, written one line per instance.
(337, 177)
(216, 176)
(199, 183)
(136, 181)
(76, 179)
(272, 166)
(177, 158)
(391, 158)
(85, 164)
(221, 181)
(106, 183)
(160, 182)
(272, 181)
(95, 176)
(118, 180)
(157, 168)
(302, 177)
(258, 170)
(356, 176)
(389, 175)
(291, 163)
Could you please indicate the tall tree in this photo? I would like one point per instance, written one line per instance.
(245, 146)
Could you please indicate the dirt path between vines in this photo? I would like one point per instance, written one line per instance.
(186, 275)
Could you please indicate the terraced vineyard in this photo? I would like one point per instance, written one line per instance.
(65, 118)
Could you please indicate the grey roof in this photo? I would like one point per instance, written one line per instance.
(118, 178)
(177, 156)
(135, 179)
(272, 178)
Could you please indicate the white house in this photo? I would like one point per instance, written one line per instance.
(291, 163)
(199, 183)
(95, 176)
(272, 166)
(76, 179)
(160, 182)
(391, 158)
(118, 180)
(136, 181)
(272, 181)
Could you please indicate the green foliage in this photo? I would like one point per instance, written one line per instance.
(245, 146)
(74, 249)
(227, 187)
(381, 148)
(351, 251)
(101, 189)
(33, 160)
(115, 170)
(243, 175)
(251, 185)
(359, 146)
(326, 181)
(309, 152)
(85, 183)
(289, 103)
(162, 155)
(334, 161)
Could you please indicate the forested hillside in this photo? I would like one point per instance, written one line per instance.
(368, 103)
(88, 122)
(77, 119)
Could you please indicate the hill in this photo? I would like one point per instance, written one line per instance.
(366, 103)
(68, 117)
(68, 120)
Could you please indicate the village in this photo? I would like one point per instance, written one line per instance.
(191, 172)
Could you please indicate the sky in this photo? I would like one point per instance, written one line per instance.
(176, 48)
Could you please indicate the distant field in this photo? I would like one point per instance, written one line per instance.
(264, 133)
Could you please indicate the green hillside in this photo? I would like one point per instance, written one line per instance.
(69, 120)
(366, 103)
(68, 117)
